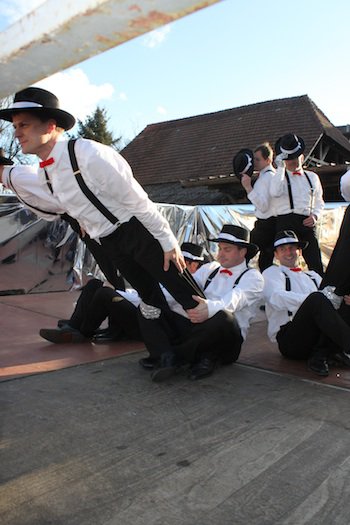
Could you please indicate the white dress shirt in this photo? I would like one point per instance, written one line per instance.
(261, 197)
(30, 190)
(242, 300)
(304, 202)
(345, 186)
(110, 178)
(279, 301)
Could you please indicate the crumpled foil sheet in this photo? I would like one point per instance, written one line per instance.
(40, 256)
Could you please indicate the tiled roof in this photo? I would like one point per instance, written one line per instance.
(204, 145)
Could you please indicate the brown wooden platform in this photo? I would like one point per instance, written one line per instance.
(23, 352)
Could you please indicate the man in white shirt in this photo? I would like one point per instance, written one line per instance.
(214, 332)
(25, 183)
(299, 195)
(97, 303)
(94, 184)
(304, 321)
(264, 229)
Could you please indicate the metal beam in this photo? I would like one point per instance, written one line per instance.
(58, 35)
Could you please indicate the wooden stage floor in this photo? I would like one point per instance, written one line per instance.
(23, 352)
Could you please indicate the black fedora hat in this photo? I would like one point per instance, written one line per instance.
(192, 251)
(291, 145)
(288, 237)
(243, 163)
(4, 161)
(233, 234)
(39, 101)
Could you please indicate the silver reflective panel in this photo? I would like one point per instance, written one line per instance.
(40, 256)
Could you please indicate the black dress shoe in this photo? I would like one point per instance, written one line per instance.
(204, 368)
(65, 334)
(167, 367)
(341, 359)
(62, 322)
(149, 363)
(105, 338)
(318, 365)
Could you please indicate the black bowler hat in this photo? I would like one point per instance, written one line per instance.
(41, 102)
(288, 237)
(192, 251)
(243, 163)
(290, 144)
(233, 234)
(4, 161)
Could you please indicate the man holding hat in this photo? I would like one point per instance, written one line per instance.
(264, 229)
(304, 321)
(299, 197)
(213, 332)
(94, 184)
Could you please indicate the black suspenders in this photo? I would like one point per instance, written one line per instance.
(26, 203)
(84, 188)
(212, 275)
(82, 185)
(288, 285)
(267, 171)
(290, 195)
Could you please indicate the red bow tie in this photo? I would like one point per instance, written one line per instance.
(225, 270)
(296, 173)
(295, 269)
(47, 162)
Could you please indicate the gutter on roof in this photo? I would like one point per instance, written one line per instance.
(220, 180)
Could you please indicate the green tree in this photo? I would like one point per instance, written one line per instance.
(95, 128)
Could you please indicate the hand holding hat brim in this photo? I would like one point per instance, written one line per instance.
(243, 163)
(291, 145)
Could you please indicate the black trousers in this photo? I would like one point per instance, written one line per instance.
(96, 303)
(316, 328)
(99, 254)
(218, 338)
(263, 235)
(311, 254)
(338, 270)
(140, 259)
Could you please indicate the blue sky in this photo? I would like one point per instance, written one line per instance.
(227, 55)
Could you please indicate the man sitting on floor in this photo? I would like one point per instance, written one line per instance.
(214, 333)
(97, 302)
(304, 321)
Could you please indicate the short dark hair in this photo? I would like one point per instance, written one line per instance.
(265, 150)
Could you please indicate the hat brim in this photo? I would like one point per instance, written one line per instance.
(291, 156)
(235, 159)
(252, 249)
(300, 244)
(63, 119)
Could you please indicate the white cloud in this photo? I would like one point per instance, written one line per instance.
(122, 96)
(161, 110)
(13, 10)
(76, 93)
(156, 37)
